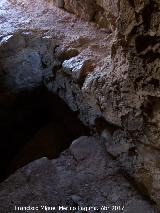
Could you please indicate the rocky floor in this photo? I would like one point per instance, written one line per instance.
(85, 175)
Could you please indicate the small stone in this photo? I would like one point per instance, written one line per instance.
(76, 198)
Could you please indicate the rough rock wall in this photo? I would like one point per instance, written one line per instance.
(125, 89)
(97, 11)
(116, 78)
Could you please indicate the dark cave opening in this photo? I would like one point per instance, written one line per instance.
(34, 124)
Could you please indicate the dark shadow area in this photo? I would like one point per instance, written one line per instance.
(101, 124)
(34, 124)
(142, 42)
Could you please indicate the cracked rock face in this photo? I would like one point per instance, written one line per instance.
(111, 73)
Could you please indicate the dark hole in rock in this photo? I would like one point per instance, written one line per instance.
(131, 2)
(147, 13)
(34, 124)
(142, 42)
(154, 82)
(150, 56)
